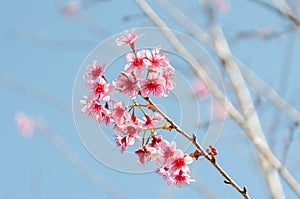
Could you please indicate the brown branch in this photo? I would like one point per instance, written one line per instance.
(193, 140)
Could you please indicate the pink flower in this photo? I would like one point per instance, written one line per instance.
(164, 172)
(25, 124)
(144, 154)
(200, 88)
(95, 71)
(119, 113)
(222, 5)
(180, 163)
(71, 8)
(130, 131)
(94, 108)
(181, 179)
(136, 63)
(167, 151)
(101, 88)
(123, 142)
(156, 59)
(154, 84)
(168, 75)
(128, 38)
(127, 85)
(152, 122)
(155, 141)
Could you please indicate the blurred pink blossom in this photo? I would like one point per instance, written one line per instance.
(25, 124)
(218, 111)
(71, 8)
(200, 88)
(222, 5)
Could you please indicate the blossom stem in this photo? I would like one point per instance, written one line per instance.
(193, 140)
(152, 129)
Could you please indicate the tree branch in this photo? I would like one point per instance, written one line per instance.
(193, 140)
(232, 111)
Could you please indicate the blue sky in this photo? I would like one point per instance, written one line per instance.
(43, 50)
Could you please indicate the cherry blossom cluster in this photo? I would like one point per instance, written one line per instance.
(146, 74)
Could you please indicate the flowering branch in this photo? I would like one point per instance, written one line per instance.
(210, 158)
(146, 73)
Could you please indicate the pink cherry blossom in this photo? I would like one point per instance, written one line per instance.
(128, 129)
(95, 71)
(94, 108)
(218, 111)
(128, 38)
(119, 113)
(181, 179)
(222, 5)
(200, 88)
(144, 154)
(151, 122)
(127, 85)
(25, 124)
(180, 163)
(100, 88)
(156, 59)
(154, 84)
(155, 141)
(167, 152)
(168, 75)
(164, 172)
(136, 63)
(71, 8)
(123, 142)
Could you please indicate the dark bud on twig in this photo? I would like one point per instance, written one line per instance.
(227, 182)
(244, 189)
(194, 137)
(196, 154)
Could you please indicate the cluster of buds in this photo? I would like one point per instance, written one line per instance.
(146, 74)
(212, 152)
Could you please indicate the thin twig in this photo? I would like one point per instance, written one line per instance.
(282, 9)
(36, 93)
(228, 179)
(261, 33)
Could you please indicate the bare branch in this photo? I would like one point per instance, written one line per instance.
(30, 91)
(271, 94)
(282, 9)
(225, 56)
